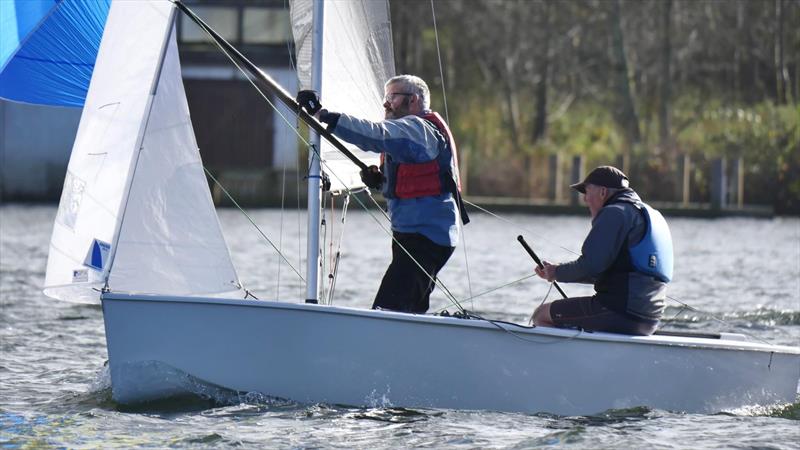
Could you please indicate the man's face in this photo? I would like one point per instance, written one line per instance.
(398, 103)
(595, 197)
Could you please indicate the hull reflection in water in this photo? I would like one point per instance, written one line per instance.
(325, 354)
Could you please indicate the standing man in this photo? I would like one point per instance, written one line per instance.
(627, 255)
(419, 179)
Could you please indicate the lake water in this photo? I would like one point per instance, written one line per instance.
(740, 275)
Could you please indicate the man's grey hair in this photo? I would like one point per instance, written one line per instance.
(413, 85)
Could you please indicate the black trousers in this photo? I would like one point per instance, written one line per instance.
(591, 315)
(405, 287)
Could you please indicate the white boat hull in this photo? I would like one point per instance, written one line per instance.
(313, 353)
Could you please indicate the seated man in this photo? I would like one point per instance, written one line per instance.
(627, 255)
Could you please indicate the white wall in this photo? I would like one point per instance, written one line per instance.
(36, 141)
(35, 144)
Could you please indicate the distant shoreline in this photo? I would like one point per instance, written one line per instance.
(511, 205)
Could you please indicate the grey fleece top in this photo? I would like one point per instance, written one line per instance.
(617, 226)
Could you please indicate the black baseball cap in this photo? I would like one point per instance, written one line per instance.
(606, 176)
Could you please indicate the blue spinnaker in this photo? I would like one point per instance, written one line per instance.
(48, 49)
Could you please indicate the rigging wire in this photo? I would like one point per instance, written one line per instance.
(447, 118)
(274, 107)
(280, 232)
(520, 227)
(490, 290)
(298, 160)
(236, 204)
(283, 189)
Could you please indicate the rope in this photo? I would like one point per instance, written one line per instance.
(497, 288)
(335, 259)
(499, 324)
(510, 283)
(441, 69)
(447, 118)
(547, 294)
(520, 227)
(686, 306)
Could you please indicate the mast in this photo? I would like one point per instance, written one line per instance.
(314, 172)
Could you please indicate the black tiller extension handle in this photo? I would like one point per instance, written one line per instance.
(538, 262)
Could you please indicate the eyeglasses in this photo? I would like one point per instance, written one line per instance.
(389, 97)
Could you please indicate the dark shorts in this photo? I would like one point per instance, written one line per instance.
(404, 286)
(589, 314)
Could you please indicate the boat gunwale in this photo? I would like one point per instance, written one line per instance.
(565, 334)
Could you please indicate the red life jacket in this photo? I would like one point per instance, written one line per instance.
(413, 180)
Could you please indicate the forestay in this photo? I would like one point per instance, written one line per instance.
(136, 207)
(356, 62)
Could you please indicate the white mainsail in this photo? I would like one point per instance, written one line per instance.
(136, 208)
(357, 60)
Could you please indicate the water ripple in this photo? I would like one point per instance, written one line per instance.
(55, 388)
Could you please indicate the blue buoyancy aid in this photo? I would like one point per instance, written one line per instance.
(631, 285)
(653, 254)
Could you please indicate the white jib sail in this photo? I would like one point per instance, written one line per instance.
(135, 199)
(357, 59)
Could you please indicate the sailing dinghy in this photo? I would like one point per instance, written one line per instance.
(136, 226)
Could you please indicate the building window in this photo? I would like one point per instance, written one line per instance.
(265, 26)
(221, 19)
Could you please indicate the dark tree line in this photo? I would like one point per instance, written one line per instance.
(525, 77)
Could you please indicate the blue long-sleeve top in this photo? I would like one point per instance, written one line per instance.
(410, 139)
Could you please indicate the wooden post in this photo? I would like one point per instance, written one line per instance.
(577, 177)
(463, 169)
(685, 166)
(530, 165)
(556, 179)
(718, 183)
(624, 164)
(738, 182)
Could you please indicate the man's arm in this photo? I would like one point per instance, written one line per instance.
(409, 139)
(599, 250)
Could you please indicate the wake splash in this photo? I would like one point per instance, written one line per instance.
(761, 316)
(789, 411)
(154, 386)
